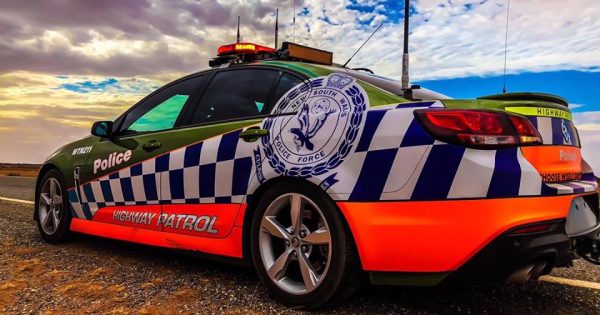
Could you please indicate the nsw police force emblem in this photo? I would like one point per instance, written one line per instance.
(327, 115)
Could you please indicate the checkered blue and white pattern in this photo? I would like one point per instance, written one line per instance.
(214, 171)
(387, 155)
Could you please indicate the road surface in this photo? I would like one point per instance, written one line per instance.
(17, 187)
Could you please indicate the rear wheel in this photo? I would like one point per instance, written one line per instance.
(300, 247)
(52, 210)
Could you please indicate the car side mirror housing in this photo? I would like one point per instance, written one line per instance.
(102, 129)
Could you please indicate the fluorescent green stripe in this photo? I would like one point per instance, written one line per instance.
(540, 111)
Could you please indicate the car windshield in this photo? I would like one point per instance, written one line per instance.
(391, 85)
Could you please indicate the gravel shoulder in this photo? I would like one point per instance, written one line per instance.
(94, 275)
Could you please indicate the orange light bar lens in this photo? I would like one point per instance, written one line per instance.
(245, 47)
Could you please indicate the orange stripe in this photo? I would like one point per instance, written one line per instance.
(230, 246)
(438, 236)
(239, 221)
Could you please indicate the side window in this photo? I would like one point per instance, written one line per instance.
(286, 82)
(160, 111)
(236, 94)
(161, 117)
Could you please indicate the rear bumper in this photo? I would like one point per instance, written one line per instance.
(444, 240)
(503, 258)
(508, 254)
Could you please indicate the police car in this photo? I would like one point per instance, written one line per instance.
(321, 177)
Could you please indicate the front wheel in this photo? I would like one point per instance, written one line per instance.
(300, 247)
(52, 210)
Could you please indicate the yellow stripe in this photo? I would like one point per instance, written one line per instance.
(17, 200)
(541, 111)
(572, 282)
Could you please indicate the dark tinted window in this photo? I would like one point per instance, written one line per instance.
(286, 82)
(236, 94)
(160, 111)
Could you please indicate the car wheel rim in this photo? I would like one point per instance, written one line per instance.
(50, 205)
(295, 243)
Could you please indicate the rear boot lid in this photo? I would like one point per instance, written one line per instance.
(558, 158)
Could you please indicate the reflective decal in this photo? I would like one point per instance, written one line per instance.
(82, 150)
(541, 111)
(113, 159)
(199, 220)
(322, 133)
(565, 131)
(189, 222)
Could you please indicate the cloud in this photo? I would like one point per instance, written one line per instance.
(588, 126)
(589, 117)
(590, 147)
(125, 38)
(448, 38)
(574, 105)
(65, 63)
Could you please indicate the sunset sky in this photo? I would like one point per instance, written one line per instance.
(65, 64)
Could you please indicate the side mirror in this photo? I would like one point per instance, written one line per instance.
(102, 129)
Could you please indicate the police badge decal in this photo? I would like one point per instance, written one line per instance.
(328, 115)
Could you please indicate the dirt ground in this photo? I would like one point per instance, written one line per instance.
(24, 170)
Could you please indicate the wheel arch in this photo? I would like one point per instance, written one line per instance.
(252, 202)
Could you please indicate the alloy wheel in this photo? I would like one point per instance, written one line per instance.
(295, 243)
(50, 206)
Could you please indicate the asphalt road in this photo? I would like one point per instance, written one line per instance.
(94, 275)
(17, 187)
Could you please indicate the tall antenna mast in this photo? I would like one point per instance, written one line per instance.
(238, 30)
(294, 24)
(506, 47)
(276, 27)
(405, 78)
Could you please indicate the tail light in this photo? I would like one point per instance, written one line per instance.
(478, 128)
(535, 228)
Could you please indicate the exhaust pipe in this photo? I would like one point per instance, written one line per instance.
(529, 272)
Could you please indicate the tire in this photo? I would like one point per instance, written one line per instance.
(49, 209)
(313, 265)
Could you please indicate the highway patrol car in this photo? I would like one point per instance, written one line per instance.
(321, 176)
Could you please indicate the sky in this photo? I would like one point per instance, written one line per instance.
(67, 63)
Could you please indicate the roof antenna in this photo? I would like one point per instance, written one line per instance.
(238, 30)
(405, 78)
(294, 24)
(506, 47)
(276, 26)
(361, 46)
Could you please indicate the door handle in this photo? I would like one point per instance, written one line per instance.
(151, 146)
(252, 134)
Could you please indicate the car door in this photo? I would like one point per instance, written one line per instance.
(120, 181)
(214, 162)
